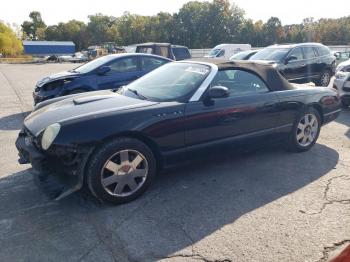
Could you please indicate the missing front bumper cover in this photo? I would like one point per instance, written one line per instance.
(53, 173)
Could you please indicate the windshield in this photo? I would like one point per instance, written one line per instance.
(90, 66)
(171, 82)
(240, 55)
(214, 52)
(273, 54)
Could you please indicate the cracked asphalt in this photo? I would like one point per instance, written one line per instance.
(261, 204)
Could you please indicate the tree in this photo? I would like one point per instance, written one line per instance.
(273, 31)
(73, 30)
(35, 28)
(10, 45)
(102, 28)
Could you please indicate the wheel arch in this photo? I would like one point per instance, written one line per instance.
(319, 110)
(144, 139)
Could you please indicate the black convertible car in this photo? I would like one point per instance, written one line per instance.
(115, 141)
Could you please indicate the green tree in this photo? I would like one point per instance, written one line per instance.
(35, 28)
(73, 30)
(10, 45)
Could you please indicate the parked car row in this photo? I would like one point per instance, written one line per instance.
(115, 141)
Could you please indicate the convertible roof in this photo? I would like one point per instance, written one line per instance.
(266, 71)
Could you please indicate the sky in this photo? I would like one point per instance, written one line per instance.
(63, 10)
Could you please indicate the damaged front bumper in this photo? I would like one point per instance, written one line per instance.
(66, 164)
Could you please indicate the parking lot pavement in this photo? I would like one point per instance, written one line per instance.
(234, 205)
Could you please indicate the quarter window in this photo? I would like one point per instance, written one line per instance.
(123, 65)
(240, 82)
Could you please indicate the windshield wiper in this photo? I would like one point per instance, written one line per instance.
(137, 93)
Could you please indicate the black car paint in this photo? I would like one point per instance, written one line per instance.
(170, 129)
(307, 69)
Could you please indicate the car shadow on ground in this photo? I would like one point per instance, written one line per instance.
(13, 122)
(185, 205)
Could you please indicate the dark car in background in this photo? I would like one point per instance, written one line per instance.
(174, 52)
(301, 63)
(244, 55)
(116, 142)
(107, 72)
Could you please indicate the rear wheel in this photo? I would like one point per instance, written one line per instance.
(305, 131)
(121, 170)
(324, 78)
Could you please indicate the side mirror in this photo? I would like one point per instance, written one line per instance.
(103, 70)
(218, 92)
(291, 58)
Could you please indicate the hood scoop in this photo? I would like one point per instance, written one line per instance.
(89, 99)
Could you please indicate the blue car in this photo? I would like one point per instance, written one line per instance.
(107, 72)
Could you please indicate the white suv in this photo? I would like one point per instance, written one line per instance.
(342, 82)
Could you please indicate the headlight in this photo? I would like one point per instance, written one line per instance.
(340, 75)
(49, 135)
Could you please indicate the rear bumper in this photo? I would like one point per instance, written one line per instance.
(68, 172)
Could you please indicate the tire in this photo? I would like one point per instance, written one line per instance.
(324, 78)
(112, 174)
(296, 139)
(344, 103)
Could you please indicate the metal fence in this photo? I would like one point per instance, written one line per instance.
(196, 53)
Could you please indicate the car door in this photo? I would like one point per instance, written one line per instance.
(295, 65)
(251, 108)
(312, 62)
(149, 63)
(122, 71)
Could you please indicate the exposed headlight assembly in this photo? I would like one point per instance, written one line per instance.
(49, 135)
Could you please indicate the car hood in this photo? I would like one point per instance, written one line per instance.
(57, 76)
(80, 106)
(343, 64)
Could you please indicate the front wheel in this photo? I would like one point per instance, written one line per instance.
(121, 170)
(324, 78)
(345, 103)
(305, 131)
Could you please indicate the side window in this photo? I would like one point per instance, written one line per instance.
(298, 53)
(123, 65)
(150, 63)
(240, 82)
(309, 52)
(181, 53)
(146, 50)
(162, 51)
(323, 50)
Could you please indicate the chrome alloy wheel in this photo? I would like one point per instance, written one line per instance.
(124, 173)
(307, 130)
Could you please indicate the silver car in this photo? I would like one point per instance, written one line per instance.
(342, 82)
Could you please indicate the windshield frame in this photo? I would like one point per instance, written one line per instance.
(106, 62)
